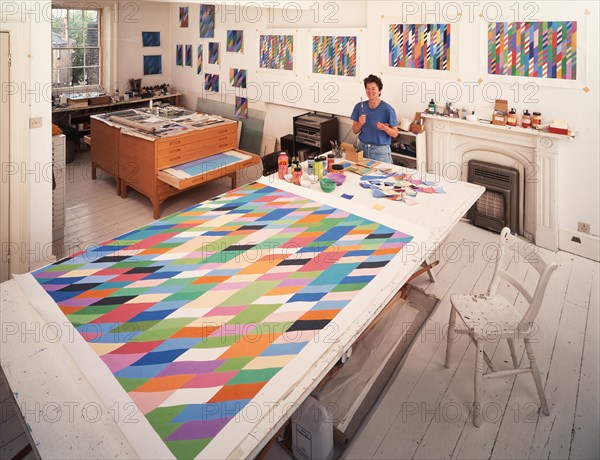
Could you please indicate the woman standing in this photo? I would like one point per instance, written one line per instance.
(375, 122)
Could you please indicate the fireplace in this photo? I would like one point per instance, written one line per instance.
(498, 207)
(453, 143)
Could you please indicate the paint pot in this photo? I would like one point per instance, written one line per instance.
(405, 124)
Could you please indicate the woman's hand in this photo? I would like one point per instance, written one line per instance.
(362, 119)
(382, 126)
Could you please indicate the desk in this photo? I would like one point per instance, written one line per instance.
(370, 264)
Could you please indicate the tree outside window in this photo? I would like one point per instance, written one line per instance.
(75, 47)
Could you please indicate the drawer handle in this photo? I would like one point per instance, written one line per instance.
(174, 150)
(174, 142)
(175, 158)
(223, 138)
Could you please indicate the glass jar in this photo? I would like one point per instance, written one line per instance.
(339, 169)
(526, 119)
(536, 119)
(330, 162)
(296, 176)
(511, 120)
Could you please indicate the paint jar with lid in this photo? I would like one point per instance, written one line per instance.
(536, 119)
(318, 168)
(526, 119)
(511, 120)
(282, 165)
(296, 176)
(330, 162)
(310, 161)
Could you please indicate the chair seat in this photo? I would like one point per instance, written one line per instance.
(488, 317)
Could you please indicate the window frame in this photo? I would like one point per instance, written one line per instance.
(85, 87)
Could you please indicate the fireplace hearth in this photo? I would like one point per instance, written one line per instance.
(498, 207)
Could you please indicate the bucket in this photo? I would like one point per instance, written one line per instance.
(405, 124)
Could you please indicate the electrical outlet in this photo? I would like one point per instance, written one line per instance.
(35, 122)
(583, 227)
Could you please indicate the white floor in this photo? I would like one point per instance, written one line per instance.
(424, 412)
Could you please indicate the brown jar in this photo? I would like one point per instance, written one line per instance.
(536, 119)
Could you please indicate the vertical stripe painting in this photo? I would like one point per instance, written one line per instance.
(179, 55)
(420, 46)
(183, 16)
(241, 107)
(533, 49)
(207, 21)
(213, 53)
(211, 82)
(276, 52)
(334, 55)
(188, 55)
(235, 41)
(237, 78)
(199, 62)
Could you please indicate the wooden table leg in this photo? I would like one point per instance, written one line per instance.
(123, 188)
(233, 180)
(94, 170)
(155, 209)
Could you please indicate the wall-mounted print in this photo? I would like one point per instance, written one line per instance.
(419, 46)
(235, 41)
(184, 16)
(276, 52)
(188, 55)
(334, 55)
(199, 62)
(211, 82)
(179, 55)
(207, 21)
(153, 65)
(241, 107)
(213, 53)
(150, 38)
(237, 78)
(533, 49)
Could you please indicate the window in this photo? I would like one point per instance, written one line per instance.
(75, 47)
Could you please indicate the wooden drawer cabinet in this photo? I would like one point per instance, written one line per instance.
(105, 149)
(142, 161)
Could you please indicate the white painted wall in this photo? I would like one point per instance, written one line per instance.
(133, 18)
(579, 164)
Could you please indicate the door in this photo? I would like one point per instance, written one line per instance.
(4, 157)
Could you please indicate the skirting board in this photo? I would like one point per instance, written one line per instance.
(588, 245)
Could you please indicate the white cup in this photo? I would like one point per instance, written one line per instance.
(405, 124)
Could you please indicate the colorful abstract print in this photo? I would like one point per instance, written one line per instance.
(533, 49)
(420, 46)
(195, 313)
(235, 41)
(276, 52)
(334, 55)
(207, 21)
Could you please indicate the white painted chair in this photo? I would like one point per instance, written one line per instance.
(489, 317)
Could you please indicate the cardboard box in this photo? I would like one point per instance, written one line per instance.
(559, 127)
(500, 112)
(99, 100)
(77, 102)
(351, 154)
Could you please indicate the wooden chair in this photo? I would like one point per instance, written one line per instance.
(270, 165)
(489, 317)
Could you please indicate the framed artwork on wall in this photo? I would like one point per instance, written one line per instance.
(153, 65)
(179, 55)
(188, 55)
(241, 107)
(150, 39)
(276, 52)
(184, 16)
(335, 54)
(237, 78)
(213, 53)
(211, 82)
(235, 41)
(207, 21)
(199, 60)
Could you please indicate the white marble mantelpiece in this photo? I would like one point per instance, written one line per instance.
(452, 143)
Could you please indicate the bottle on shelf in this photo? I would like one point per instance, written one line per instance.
(536, 119)
(526, 119)
(282, 164)
(431, 109)
(511, 120)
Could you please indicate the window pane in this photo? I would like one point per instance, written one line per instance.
(76, 37)
(92, 56)
(77, 57)
(64, 77)
(93, 75)
(78, 76)
(91, 18)
(75, 18)
(92, 37)
(59, 21)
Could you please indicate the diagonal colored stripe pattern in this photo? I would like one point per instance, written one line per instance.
(195, 313)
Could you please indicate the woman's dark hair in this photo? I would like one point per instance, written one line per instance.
(374, 79)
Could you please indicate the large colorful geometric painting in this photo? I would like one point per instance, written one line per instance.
(188, 55)
(199, 61)
(235, 41)
(213, 53)
(334, 55)
(153, 65)
(195, 313)
(237, 78)
(184, 16)
(420, 46)
(533, 49)
(241, 107)
(207, 21)
(276, 52)
(211, 82)
(179, 55)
